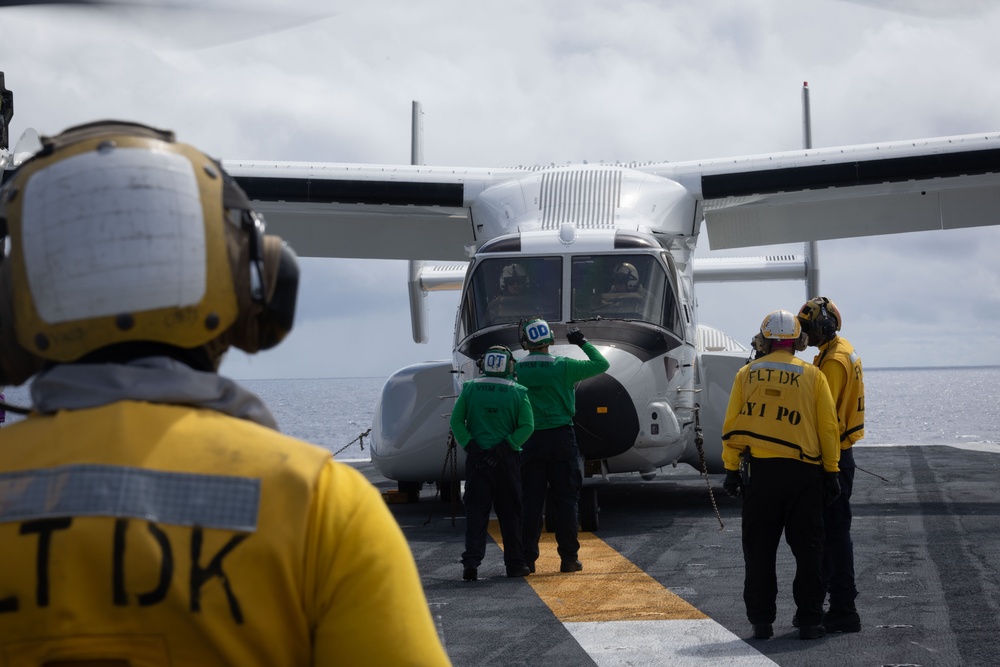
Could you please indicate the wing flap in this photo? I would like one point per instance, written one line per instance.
(832, 193)
(859, 211)
(368, 211)
(370, 232)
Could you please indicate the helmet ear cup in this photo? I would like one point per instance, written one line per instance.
(802, 342)
(760, 344)
(267, 284)
(827, 322)
(281, 278)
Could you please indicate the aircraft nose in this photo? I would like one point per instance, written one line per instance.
(606, 421)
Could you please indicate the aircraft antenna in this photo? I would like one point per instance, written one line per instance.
(418, 316)
(812, 247)
(417, 135)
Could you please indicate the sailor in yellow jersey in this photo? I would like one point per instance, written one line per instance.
(780, 450)
(150, 512)
(841, 365)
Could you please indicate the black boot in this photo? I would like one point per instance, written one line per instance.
(842, 618)
(570, 566)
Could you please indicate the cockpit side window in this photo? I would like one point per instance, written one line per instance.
(504, 290)
(632, 287)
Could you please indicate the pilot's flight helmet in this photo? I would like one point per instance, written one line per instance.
(626, 278)
(120, 235)
(783, 325)
(535, 334)
(820, 319)
(513, 274)
(497, 361)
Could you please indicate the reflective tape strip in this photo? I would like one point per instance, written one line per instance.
(778, 366)
(185, 499)
(493, 380)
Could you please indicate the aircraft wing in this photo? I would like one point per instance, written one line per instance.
(424, 212)
(833, 193)
(368, 211)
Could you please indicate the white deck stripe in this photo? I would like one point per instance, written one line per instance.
(622, 616)
(686, 643)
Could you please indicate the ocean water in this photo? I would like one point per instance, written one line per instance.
(336, 413)
(922, 406)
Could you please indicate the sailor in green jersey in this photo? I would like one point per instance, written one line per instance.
(491, 420)
(551, 458)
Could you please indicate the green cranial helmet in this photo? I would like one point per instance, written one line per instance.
(497, 361)
(535, 333)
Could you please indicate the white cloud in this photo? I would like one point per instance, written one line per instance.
(532, 83)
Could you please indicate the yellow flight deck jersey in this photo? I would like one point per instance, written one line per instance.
(781, 406)
(167, 535)
(842, 367)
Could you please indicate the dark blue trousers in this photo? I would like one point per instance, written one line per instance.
(552, 460)
(497, 487)
(784, 495)
(838, 555)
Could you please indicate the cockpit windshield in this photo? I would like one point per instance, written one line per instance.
(631, 287)
(505, 290)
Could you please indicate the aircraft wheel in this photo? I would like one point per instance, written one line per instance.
(411, 490)
(589, 509)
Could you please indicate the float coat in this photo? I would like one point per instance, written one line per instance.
(842, 367)
(496, 410)
(174, 535)
(781, 407)
(551, 383)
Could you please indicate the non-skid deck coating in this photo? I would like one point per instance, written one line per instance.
(620, 615)
(662, 584)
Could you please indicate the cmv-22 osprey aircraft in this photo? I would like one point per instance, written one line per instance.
(608, 248)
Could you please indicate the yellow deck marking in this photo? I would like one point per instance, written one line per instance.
(621, 616)
(610, 587)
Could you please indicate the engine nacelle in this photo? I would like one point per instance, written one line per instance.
(410, 428)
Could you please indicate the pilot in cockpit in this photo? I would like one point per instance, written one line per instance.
(625, 294)
(512, 300)
(513, 280)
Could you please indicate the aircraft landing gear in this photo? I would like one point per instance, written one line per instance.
(589, 509)
(411, 490)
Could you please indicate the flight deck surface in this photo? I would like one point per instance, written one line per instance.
(662, 582)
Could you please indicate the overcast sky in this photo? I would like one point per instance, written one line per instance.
(530, 82)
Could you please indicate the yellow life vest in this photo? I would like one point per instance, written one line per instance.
(169, 535)
(781, 407)
(851, 401)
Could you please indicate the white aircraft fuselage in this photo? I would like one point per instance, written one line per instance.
(568, 230)
(571, 230)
